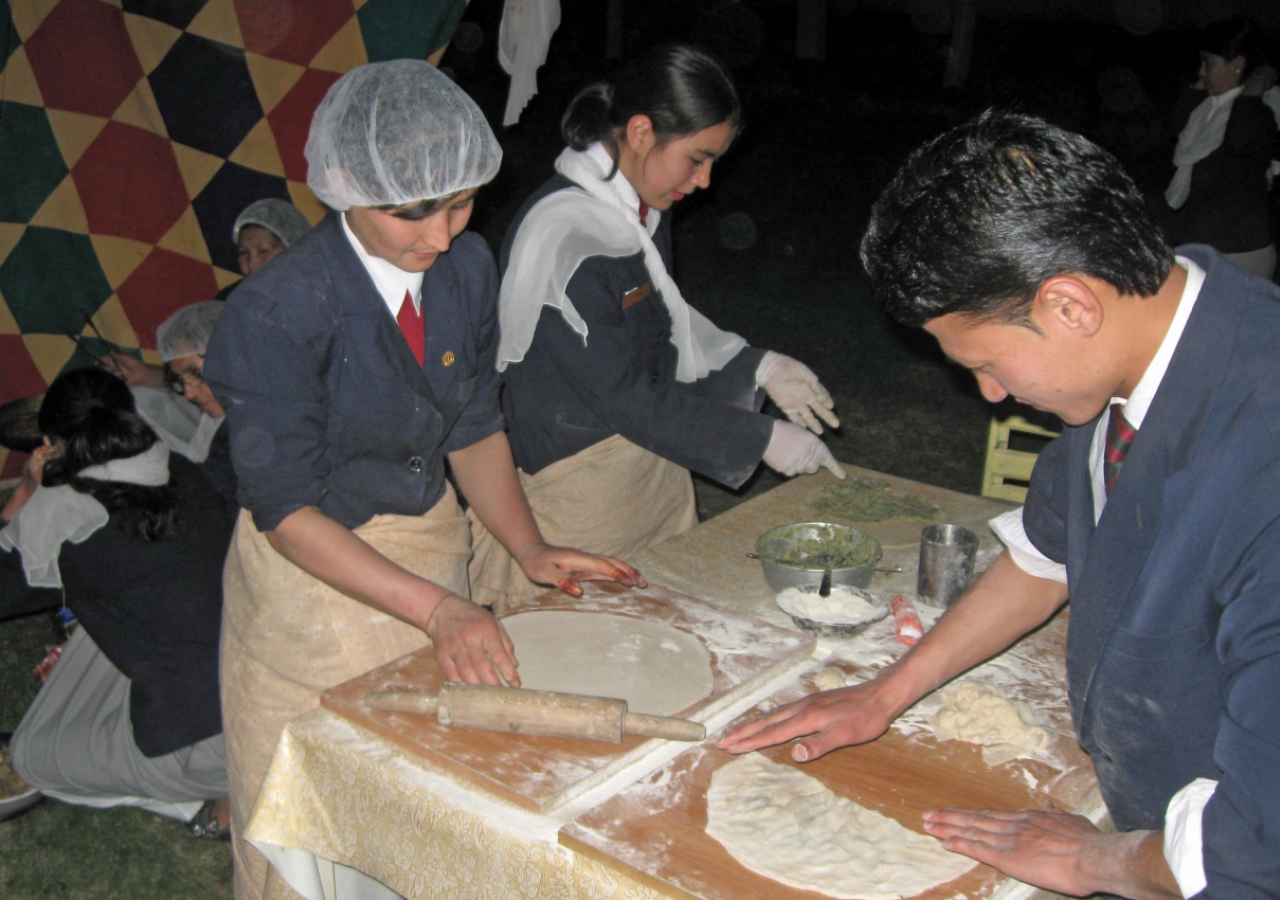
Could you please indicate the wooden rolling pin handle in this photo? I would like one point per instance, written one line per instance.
(403, 702)
(663, 727)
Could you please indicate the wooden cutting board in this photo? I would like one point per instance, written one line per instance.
(542, 773)
(654, 830)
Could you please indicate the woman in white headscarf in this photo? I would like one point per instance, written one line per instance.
(615, 386)
(350, 369)
(1224, 151)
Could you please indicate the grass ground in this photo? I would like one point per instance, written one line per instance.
(822, 138)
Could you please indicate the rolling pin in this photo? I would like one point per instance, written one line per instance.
(523, 711)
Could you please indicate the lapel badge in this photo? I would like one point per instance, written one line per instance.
(448, 358)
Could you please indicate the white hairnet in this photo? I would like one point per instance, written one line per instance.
(397, 132)
(187, 332)
(280, 217)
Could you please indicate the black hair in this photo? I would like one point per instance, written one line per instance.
(978, 218)
(92, 413)
(418, 210)
(683, 90)
(1232, 37)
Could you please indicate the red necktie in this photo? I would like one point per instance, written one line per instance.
(644, 213)
(411, 327)
(1120, 435)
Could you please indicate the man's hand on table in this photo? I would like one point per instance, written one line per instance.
(470, 644)
(831, 719)
(1059, 852)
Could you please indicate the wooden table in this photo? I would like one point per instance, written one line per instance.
(649, 836)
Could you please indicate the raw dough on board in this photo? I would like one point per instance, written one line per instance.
(982, 714)
(785, 825)
(659, 670)
(830, 678)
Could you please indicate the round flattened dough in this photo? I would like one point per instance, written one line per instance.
(659, 670)
(788, 826)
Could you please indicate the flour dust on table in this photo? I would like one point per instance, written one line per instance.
(785, 825)
(658, 669)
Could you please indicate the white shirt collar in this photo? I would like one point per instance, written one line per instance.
(392, 282)
(1226, 97)
(1139, 401)
(623, 188)
(1135, 408)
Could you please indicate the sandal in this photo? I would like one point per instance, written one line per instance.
(204, 825)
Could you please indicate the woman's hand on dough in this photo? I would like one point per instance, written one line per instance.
(470, 644)
(1057, 851)
(826, 721)
(566, 568)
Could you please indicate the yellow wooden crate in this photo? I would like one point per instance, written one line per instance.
(1012, 448)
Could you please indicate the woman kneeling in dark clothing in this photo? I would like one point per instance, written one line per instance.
(136, 539)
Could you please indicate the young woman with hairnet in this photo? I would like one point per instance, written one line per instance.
(181, 341)
(265, 229)
(615, 386)
(350, 368)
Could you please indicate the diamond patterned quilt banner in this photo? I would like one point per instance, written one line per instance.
(132, 133)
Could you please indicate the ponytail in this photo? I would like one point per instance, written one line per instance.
(92, 414)
(681, 89)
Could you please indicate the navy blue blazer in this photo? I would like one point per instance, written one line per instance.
(564, 396)
(154, 608)
(326, 404)
(1173, 652)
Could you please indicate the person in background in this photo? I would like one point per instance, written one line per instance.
(105, 514)
(1032, 258)
(181, 341)
(1224, 150)
(615, 387)
(264, 230)
(351, 368)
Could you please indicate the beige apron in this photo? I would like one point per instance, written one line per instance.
(613, 498)
(287, 636)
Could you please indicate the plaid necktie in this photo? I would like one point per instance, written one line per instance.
(1120, 435)
(411, 327)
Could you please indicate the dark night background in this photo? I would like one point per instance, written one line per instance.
(770, 251)
(822, 138)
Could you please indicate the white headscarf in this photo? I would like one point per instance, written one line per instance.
(55, 515)
(565, 228)
(1202, 135)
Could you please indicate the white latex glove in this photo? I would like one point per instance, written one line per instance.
(797, 391)
(794, 451)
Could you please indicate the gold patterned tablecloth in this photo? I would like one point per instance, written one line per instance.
(343, 794)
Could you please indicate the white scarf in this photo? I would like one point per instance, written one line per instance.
(55, 515)
(569, 226)
(183, 428)
(1202, 135)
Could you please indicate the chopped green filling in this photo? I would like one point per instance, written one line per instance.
(864, 500)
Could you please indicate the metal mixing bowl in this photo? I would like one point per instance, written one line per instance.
(800, 540)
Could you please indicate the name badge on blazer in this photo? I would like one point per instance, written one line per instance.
(635, 295)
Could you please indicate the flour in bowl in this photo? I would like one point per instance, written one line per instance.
(845, 606)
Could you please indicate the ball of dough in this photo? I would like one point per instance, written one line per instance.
(829, 679)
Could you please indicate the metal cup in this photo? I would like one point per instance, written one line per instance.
(947, 553)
